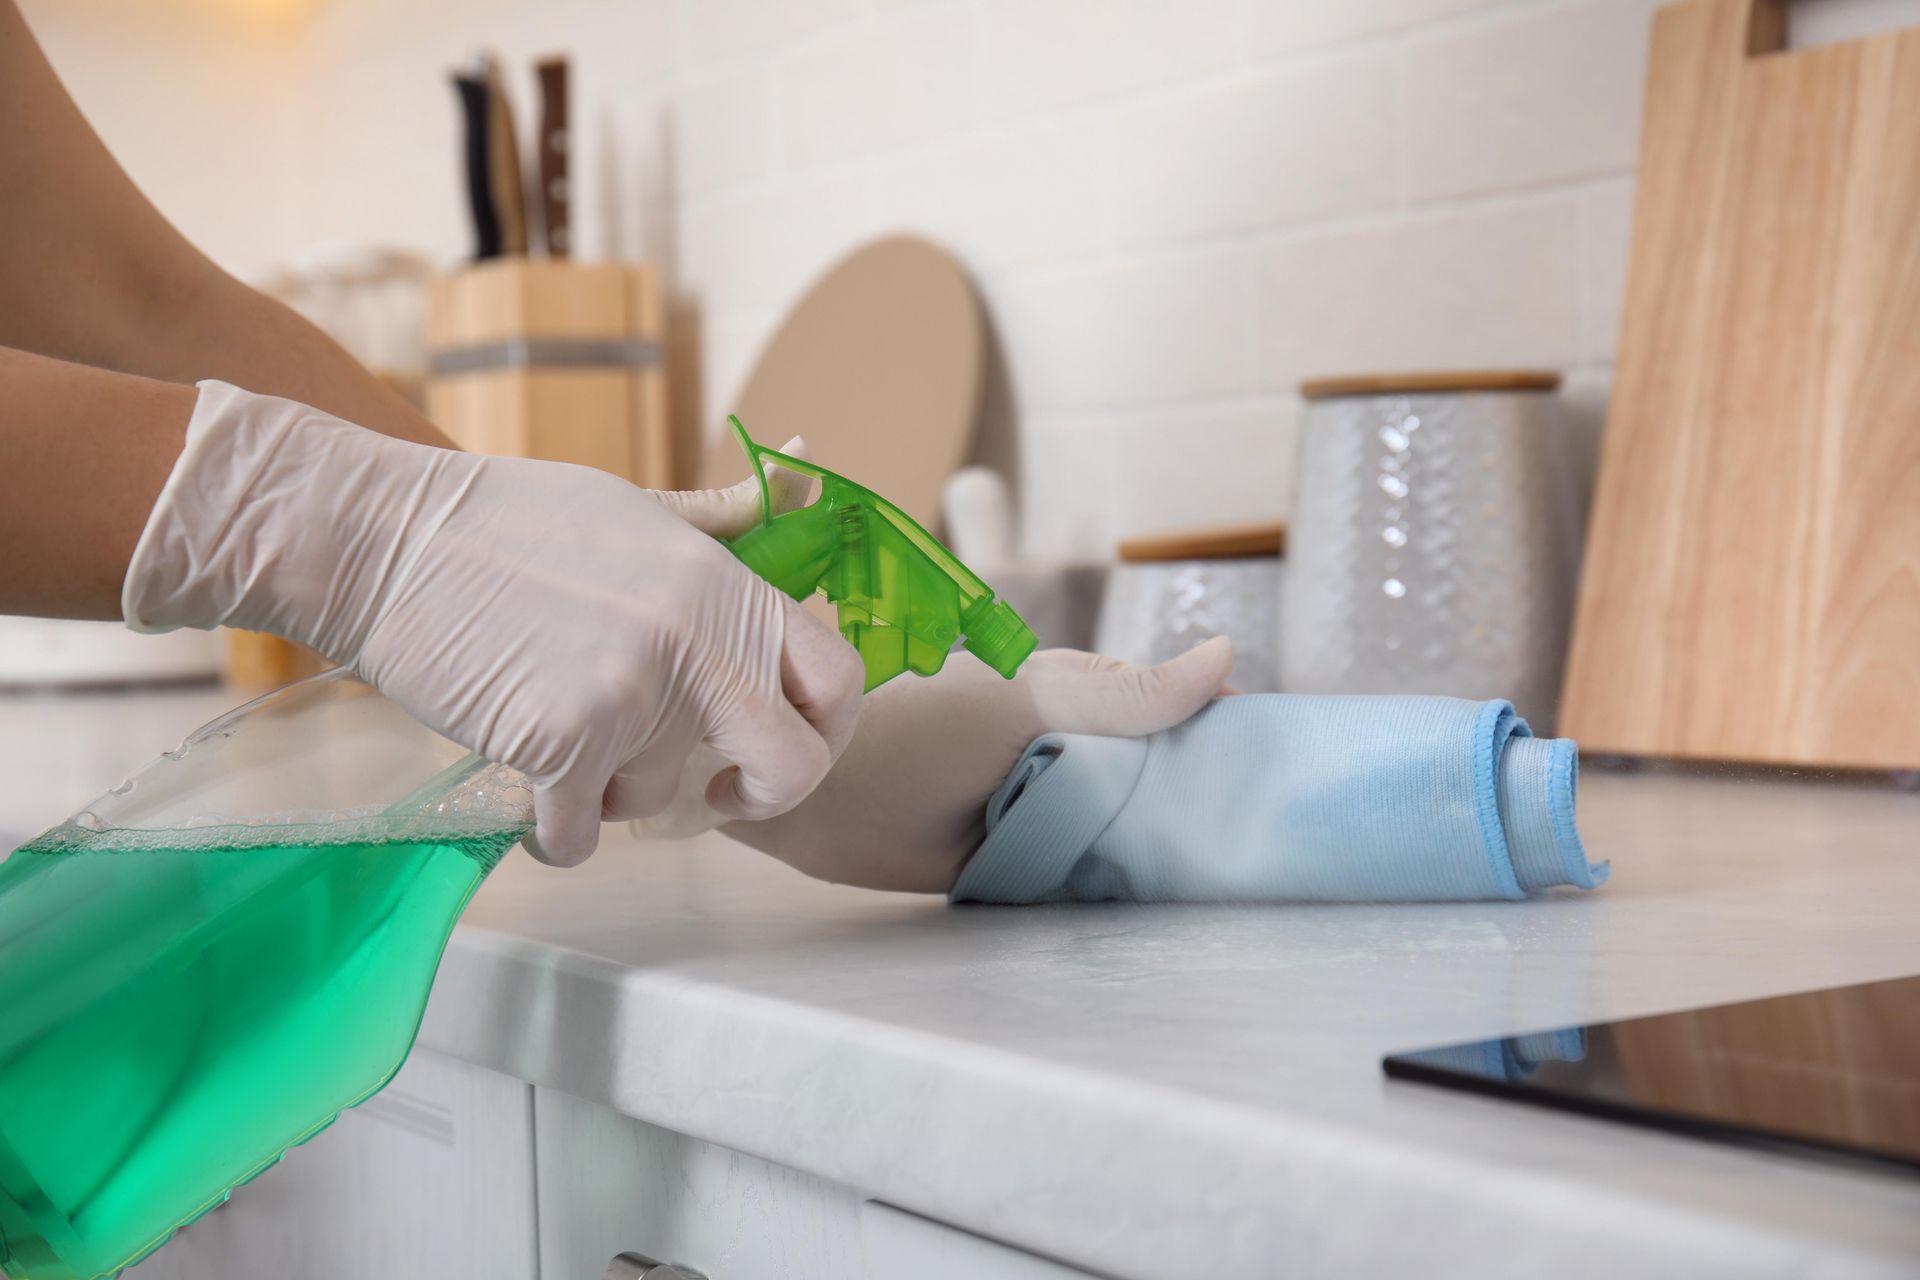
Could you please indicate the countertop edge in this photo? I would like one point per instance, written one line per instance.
(904, 1112)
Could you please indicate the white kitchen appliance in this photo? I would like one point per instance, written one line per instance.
(41, 652)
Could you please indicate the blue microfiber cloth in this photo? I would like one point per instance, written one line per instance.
(1289, 798)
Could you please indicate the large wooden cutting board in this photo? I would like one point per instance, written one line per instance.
(1752, 580)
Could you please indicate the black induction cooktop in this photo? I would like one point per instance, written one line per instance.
(1834, 1072)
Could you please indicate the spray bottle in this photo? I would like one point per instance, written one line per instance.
(203, 967)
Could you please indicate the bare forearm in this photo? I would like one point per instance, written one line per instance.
(91, 272)
(85, 455)
(233, 333)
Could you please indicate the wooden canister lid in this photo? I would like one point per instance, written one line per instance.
(1223, 542)
(1401, 384)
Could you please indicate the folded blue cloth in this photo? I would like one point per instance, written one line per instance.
(1289, 797)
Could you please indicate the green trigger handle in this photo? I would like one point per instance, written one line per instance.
(903, 599)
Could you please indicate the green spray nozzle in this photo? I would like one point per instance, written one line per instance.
(903, 598)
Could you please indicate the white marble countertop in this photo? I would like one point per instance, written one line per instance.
(1189, 1091)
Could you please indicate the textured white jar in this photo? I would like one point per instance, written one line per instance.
(1156, 611)
(1434, 540)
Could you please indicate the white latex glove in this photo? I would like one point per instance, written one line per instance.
(550, 617)
(906, 805)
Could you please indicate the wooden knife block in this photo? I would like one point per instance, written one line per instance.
(552, 359)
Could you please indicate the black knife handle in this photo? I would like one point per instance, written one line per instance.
(474, 108)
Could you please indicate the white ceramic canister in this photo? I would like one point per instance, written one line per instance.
(1172, 592)
(1434, 539)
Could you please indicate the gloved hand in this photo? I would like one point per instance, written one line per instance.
(906, 804)
(550, 617)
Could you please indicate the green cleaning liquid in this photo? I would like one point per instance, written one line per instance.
(178, 1008)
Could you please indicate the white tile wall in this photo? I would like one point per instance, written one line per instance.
(1174, 209)
(903, 77)
(731, 113)
(1010, 197)
(1208, 464)
(1474, 286)
(758, 245)
(1069, 470)
(1286, 26)
(1517, 99)
(1263, 151)
(1606, 226)
(1045, 54)
(715, 29)
(1143, 331)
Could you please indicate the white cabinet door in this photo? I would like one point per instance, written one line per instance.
(609, 1184)
(905, 1246)
(431, 1179)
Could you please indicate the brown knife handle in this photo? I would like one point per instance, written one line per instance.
(556, 142)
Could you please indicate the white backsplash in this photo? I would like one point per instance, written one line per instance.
(1174, 208)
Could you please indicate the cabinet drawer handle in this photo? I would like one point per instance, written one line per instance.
(638, 1266)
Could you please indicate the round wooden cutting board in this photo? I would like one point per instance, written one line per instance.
(879, 367)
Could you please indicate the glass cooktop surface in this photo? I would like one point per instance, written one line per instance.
(1833, 1071)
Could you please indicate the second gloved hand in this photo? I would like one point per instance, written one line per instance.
(906, 804)
(550, 617)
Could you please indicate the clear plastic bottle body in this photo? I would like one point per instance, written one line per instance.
(202, 968)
